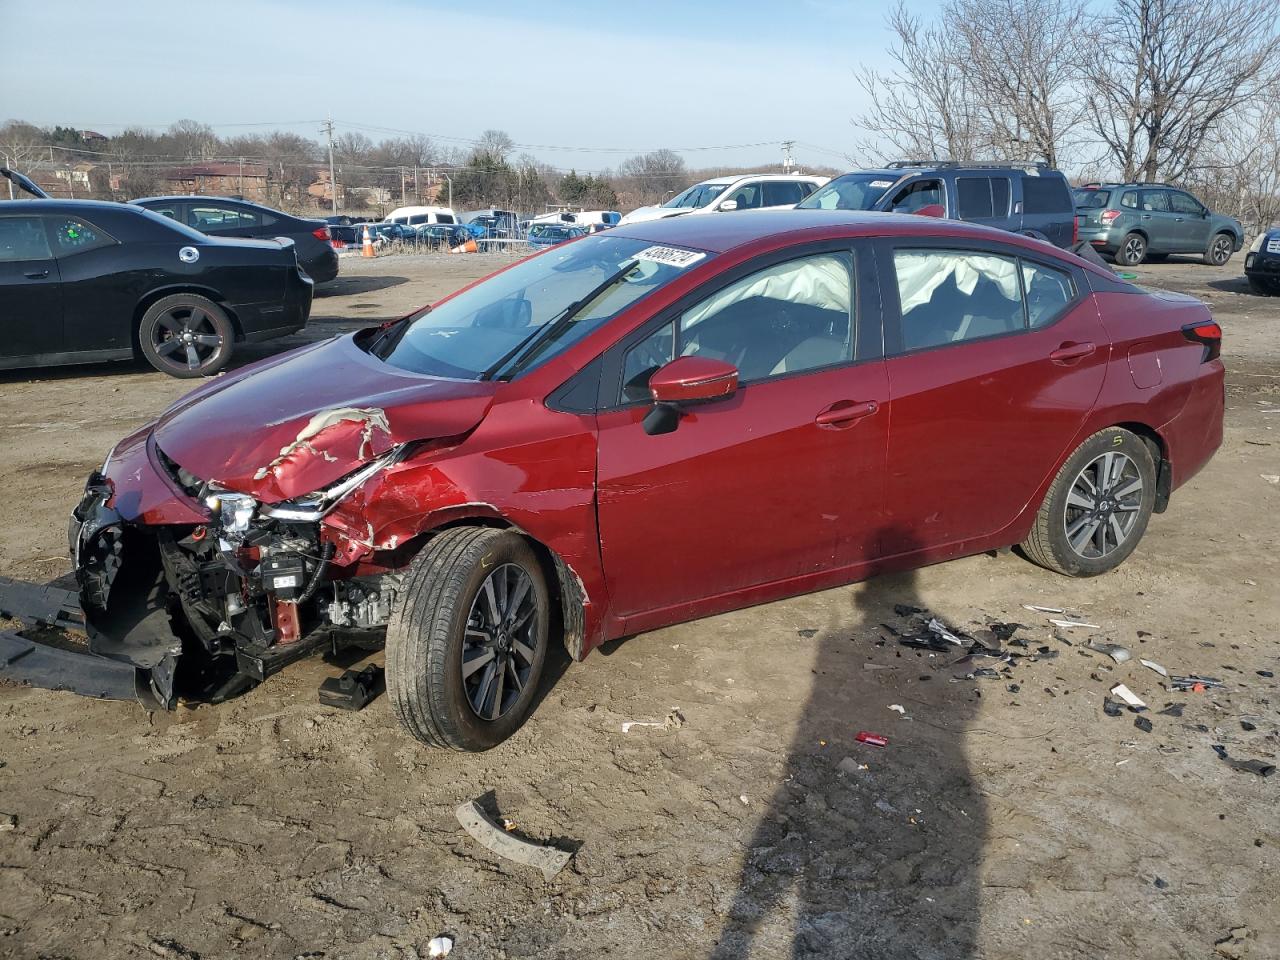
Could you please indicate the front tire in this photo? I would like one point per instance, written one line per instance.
(1097, 507)
(468, 640)
(1219, 250)
(1133, 250)
(186, 335)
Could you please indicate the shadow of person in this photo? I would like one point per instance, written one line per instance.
(868, 852)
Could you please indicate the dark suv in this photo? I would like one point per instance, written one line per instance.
(1148, 221)
(1031, 199)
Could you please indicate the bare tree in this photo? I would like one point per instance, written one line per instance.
(191, 140)
(1021, 70)
(496, 143)
(652, 177)
(924, 105)
(1166, 74)
(20, 143)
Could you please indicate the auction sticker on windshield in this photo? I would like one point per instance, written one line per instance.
(671, 256)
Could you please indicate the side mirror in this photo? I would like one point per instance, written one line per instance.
(729, 205)
(932, 210)
(684, 382)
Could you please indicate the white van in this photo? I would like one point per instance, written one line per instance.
(416, 216)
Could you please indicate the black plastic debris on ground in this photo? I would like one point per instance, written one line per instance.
(1260, 767)
(353, 690)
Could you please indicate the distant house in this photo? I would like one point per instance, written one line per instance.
(320, 192)
(93, 137)
(247, 179)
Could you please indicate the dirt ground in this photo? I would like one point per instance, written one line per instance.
(1007, 818)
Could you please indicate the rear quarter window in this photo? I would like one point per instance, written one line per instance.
(1045, 195)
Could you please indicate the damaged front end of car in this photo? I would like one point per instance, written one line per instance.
(207, 609)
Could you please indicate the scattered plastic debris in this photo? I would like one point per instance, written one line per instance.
(850, 765)
(1111, 708)
(1194, 683)
(354, 689)
(1029, 606)
(939, 629)
(1143, 724)
(1260, 767)
(1069, 624)
(1270, 477)
(1172, 710)
(873, 739)
(1113, 650)
(440, 947)
(899, 708)
(674, 721)
(743, 799)
(1152, 665)
(1128, 696)
(492, 837)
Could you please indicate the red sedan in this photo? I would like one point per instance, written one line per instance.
(661, 422)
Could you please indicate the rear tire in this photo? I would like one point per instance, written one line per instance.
(1097, 507)
(1219, 250)
(442, 628)
(1132, 250)
(186, 335)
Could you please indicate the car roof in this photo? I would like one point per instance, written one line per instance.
(722, 233)
(54, 206)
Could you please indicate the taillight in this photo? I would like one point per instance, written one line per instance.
(321, 233)
(1109, 216)
(1207, 333)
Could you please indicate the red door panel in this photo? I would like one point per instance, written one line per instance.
(746, 491)
(978, 426)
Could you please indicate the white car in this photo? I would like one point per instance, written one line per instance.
(752, 191)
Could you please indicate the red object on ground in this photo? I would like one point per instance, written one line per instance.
(875, 739)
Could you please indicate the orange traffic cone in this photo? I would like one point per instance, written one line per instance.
(367, 249)
(468, 247)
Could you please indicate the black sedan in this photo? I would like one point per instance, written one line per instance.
(1262, 263)
(83, 281)
(225, 217)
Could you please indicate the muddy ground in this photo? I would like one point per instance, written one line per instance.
(1007, 818)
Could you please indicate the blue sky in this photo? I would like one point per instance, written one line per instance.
(555, 75)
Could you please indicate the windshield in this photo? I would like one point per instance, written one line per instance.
(533, 310)
(853, 191)
(699, 195)
(1090, 199)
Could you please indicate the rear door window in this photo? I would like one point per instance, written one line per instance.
(23, 238)
(1048, 291)
(747, 197)
(1045, 195)
(973, 198)
(1129, 199)
(949, 296)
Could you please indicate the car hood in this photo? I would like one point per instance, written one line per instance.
(644, 214)
(293, 425)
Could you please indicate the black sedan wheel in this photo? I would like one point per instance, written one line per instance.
(1220, 249)
(186, 335)
(1133, 250)
(468, 639)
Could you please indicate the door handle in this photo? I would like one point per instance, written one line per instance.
(1146, 216)
(1069, 353)
(36, 274)
(844, 412)
(1177, 219)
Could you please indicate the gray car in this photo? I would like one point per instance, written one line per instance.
(1134, 222)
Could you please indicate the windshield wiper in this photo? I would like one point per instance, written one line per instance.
(553, 326)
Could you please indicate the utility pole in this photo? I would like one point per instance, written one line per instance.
(333, 183)
(787, 162)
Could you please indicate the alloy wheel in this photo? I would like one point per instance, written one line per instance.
(185, 338)
(1220, 253)
(1103, 506)
(1134, 250)
(501, 637)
